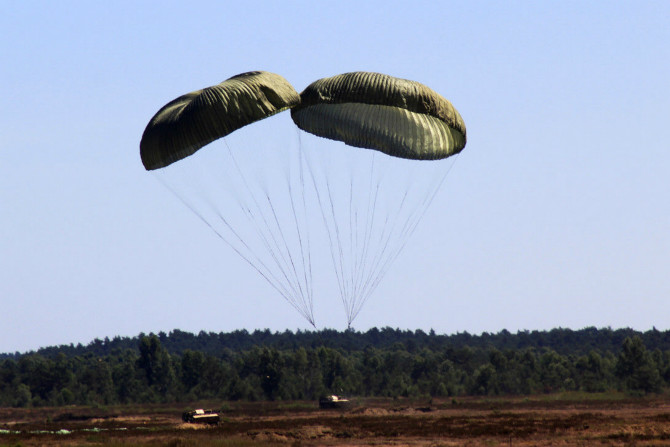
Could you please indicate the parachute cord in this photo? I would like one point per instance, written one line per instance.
(307, 297)
(268, 237)
(385, 237)
(362, 255)
(384, 261)
(408, 230)
(339, 241)
(373, 264)
(310, 281)
(278, 286)
(268, 277)
(250, 216)
(267, 273)
(381, 263)
(288, 251)
(326, 224)
(287, 258)
(276, 253)
(253, 216)
(272, 250)
(352, 249)
(365, 262)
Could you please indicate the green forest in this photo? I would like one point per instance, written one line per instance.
(262, 365)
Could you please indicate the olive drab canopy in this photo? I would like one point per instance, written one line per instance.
(396, 116)
(188, 123)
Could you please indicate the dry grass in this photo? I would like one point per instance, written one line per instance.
(571, 420)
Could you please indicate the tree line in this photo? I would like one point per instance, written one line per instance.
(183, 367)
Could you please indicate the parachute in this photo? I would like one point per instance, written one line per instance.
(188, 123)
(399, 117)
(221, 180)
(389, 193)
(281, 204)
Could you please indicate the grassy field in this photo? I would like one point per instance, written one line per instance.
(567, 419)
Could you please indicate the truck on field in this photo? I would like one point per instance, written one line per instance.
(201, 416)
(333, 401)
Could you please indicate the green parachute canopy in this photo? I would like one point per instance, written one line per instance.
(396, 116)
(186, 124)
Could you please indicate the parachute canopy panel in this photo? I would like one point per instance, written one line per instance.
(194, 120)
(396, 116)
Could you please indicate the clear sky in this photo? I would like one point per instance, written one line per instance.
(555, 214)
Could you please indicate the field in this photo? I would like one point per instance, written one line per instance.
(569, 420)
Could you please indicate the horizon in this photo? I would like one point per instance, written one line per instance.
(429, 333)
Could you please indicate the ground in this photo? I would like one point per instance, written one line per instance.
(562, 420)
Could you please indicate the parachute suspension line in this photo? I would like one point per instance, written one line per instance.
(326, 223)
(267, 237)
(338, 238)
(346, 251)
(386, 257)
(301, 294)
(264, 272)
(423, 207)
(334, 234)
(377, 270)
(301, 163)
(370, 219)
(267, 232)
(352, 248)
(354, 268)
(409, 227)
(374, 272)
(358, 268)
(370, 273)
(304, 248)
(361, 260)
(267, 274)
(357, 261)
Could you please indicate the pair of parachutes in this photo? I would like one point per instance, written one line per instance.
(395, 117)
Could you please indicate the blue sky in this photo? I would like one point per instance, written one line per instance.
(555, 214)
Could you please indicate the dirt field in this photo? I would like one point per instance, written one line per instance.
(537, 421)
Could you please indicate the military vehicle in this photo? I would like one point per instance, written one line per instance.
(201, 416)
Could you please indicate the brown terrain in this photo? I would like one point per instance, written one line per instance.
(532, 421)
